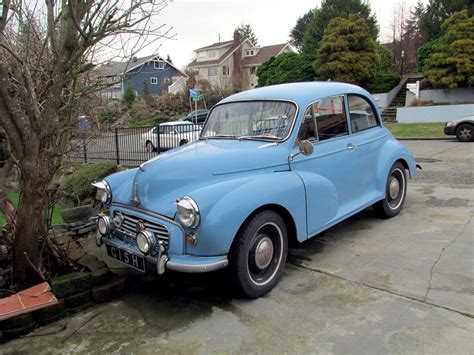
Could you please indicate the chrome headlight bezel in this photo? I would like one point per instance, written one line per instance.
(103, 192)
(104, 224)
(188, 213)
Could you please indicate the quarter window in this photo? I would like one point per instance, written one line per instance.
(361, 114)
(330, 117)
(308, 127)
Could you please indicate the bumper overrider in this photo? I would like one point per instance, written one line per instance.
(135, 236)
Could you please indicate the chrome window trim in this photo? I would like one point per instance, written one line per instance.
(290, 132)
(315, 141)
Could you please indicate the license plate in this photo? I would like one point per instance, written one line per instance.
(133, 260)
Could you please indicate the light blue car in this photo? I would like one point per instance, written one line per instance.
(273, 164)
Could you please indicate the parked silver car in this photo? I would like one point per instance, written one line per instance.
(170, 135)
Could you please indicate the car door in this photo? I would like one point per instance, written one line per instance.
(331, 172)
(369, 138)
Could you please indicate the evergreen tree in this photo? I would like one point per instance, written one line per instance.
(286, 68)
(336, 8)
(128, 95)
(297, 33)
(437, 11)
(347, 51)
(451, 64)
(246, 32)
(168, 59)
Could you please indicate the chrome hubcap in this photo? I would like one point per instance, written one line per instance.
(264, 253)
(394, 188)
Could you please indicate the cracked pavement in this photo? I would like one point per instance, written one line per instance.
(366, 286)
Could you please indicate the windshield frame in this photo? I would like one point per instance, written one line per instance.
(262, 138)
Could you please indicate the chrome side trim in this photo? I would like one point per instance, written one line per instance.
(197, 268)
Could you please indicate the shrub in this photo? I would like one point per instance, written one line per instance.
(78, 186)
(383, 82)
(418, 102)
(129, 95)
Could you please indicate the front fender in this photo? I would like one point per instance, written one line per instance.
(121, 185)
(392, 151)
(226, 205)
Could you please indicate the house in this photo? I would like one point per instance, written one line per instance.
(159, 75)
(232, 65)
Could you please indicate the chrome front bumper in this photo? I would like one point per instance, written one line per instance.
(173, 256)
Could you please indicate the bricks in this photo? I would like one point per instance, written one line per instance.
(17, 326)
(77, 300)
(109, 290)
(76, 254)
(50, 314)
(71, 284)
(100, 276)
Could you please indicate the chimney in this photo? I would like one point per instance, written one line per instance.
(134, 59)
(237, 39)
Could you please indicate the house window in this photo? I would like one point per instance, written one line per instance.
(154, 80)
(253, 71)
(160, 64)
(225, 71)
(201, 55)
(212, 71)
(249, 53)
(213, 54)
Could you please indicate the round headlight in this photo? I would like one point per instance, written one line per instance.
(188, 212)
(103, 193)
(104, 224)
(145, 241)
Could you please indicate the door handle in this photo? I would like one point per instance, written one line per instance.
(351, 146)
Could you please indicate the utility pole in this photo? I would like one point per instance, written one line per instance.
(219, 36)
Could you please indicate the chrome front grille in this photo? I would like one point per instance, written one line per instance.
(129, 227)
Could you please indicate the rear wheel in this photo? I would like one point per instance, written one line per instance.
(150, 148)
(258, 256)
(465, 133)
(395, 192)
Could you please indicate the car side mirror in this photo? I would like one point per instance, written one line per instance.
(306, 147)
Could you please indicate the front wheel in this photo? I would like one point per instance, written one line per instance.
(395, 192)
(465, 133)
(258, 256)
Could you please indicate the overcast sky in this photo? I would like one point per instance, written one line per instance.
(199, 23)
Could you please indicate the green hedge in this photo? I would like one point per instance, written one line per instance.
(78, 186)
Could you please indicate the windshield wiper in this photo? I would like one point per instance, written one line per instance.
(260, 136)
(221, 136)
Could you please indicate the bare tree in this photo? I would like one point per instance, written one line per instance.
(401, 11)
(48, 52)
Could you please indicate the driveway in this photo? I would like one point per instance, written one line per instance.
(365, 286)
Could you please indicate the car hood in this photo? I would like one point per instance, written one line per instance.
(162, 180)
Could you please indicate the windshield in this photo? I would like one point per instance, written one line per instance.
(268, 120)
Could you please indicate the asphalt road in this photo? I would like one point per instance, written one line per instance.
(366, 286)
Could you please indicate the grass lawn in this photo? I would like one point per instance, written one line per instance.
(57, 219)
(417, 130)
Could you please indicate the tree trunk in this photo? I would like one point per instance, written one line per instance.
(31, 219)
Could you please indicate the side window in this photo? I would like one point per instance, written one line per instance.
(361, 113)
(330, 117)
(308, 127)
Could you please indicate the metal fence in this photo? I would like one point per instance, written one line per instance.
(130, 146)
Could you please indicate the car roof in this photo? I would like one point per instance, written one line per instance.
(175, 123)
(302, 93)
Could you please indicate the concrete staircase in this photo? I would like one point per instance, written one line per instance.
(389, 115)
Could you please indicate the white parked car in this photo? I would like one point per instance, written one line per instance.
(171, 135)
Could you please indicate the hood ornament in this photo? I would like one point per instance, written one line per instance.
(134, 200)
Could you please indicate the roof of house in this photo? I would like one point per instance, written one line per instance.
(118, 68)
(195, 63)
(264, 54)
(215, 45)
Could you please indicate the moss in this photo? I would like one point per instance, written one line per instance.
(78, 185)
(71, 284)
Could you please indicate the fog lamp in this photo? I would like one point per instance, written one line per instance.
(145, 241)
